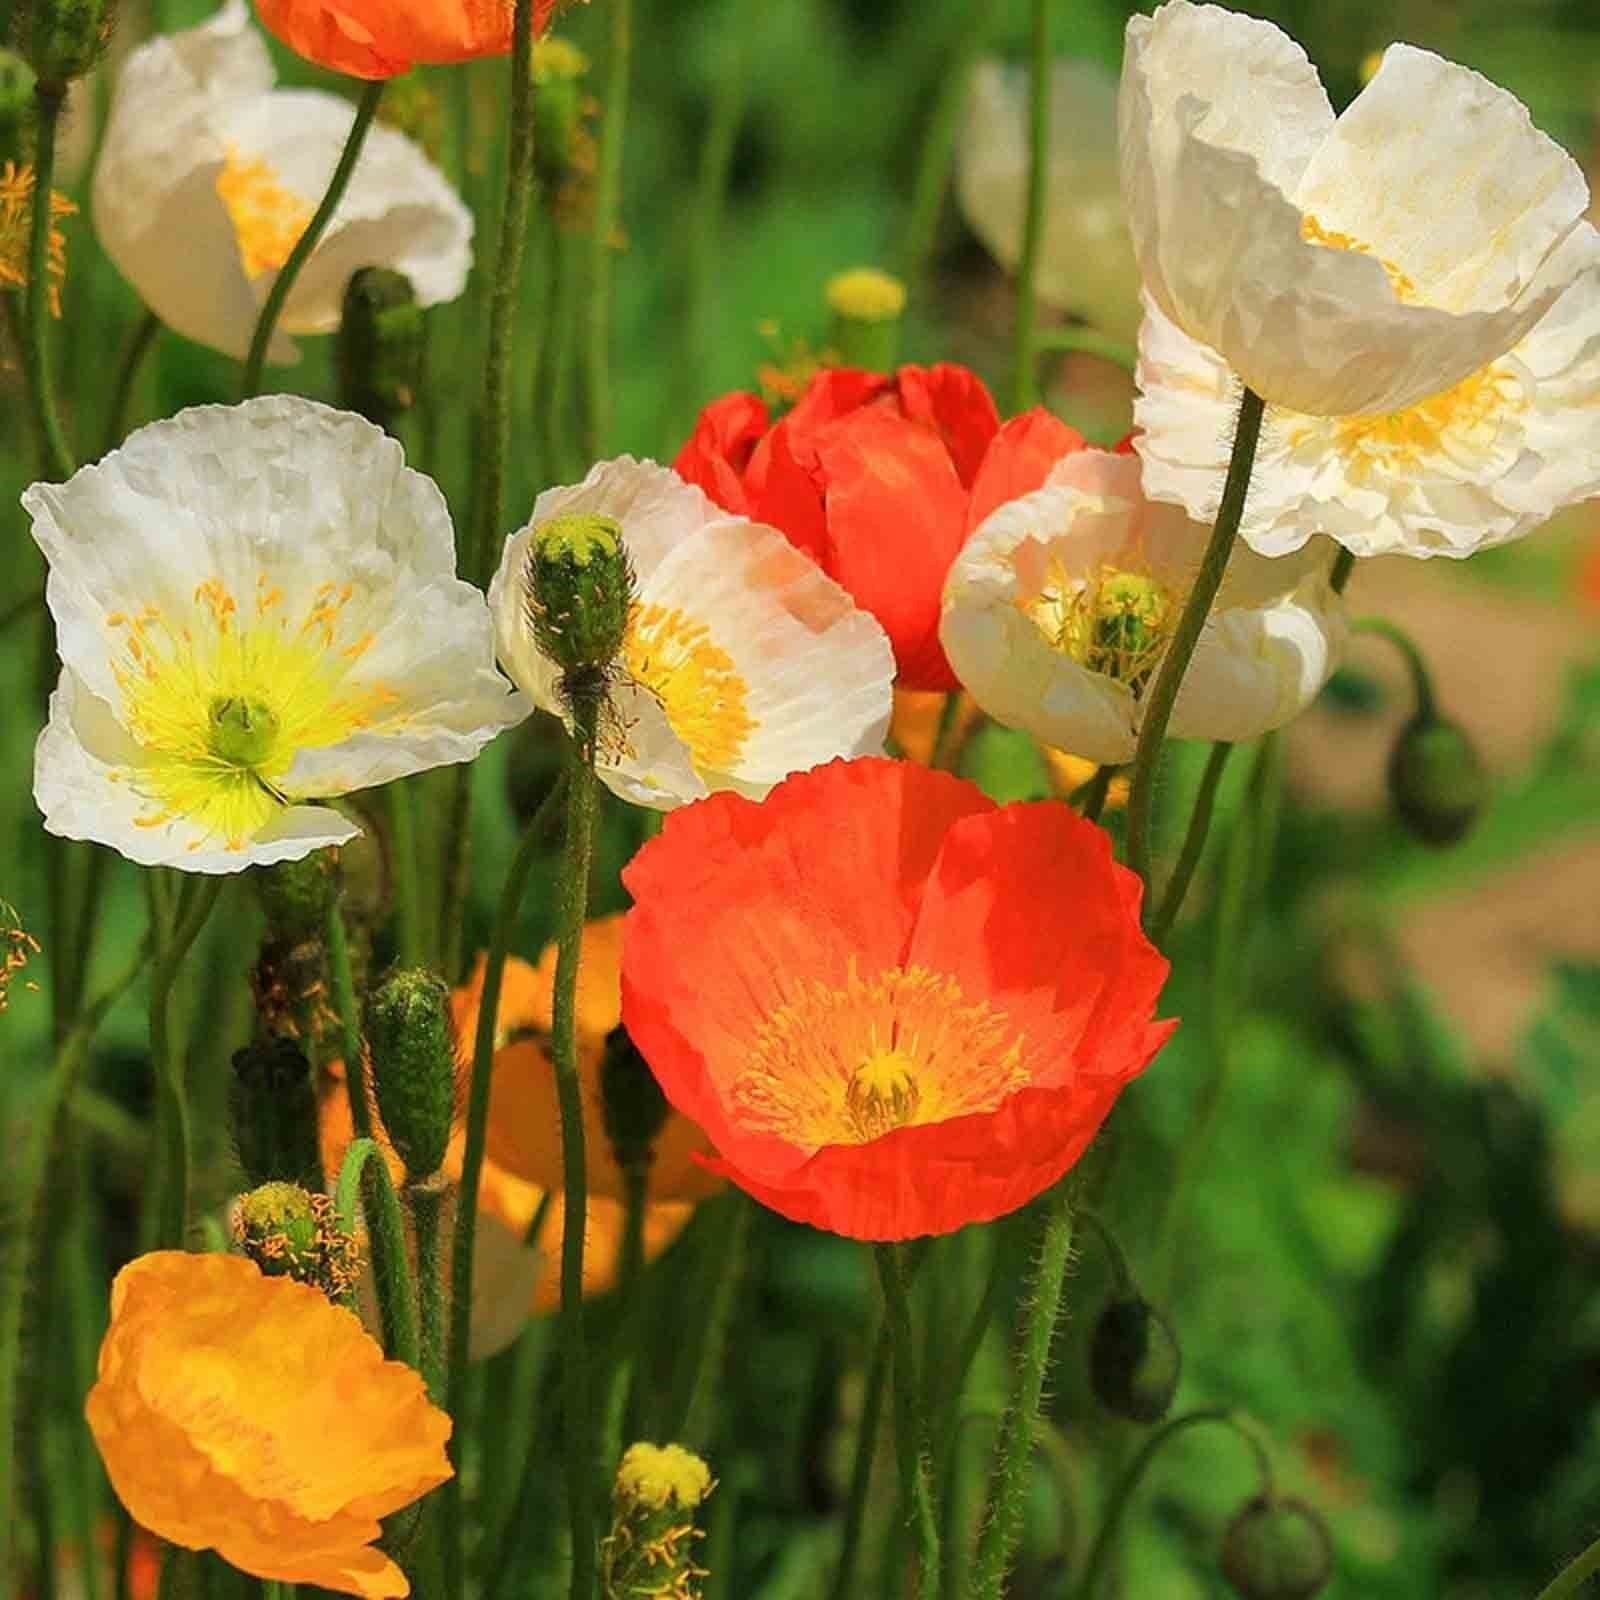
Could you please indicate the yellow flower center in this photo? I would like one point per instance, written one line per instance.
(1462, 421)
(16, 226)
(267, 217)
(849, 1063)
(1313, 231)
(221, 707)
(1112, 621)
(695, 681)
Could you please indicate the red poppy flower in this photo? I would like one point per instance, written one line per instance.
(874, 478)
(382, 38)
(894, 1007)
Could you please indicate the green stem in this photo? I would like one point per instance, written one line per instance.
(503, 296)
(607, 207)
(457, 870)
(1120, 1273)
(403, 853)
(278, 294)
(1339, 576)
(140, 342)
(625, 1335)
(1105, 1541)
(1085, 341)
(466, 1228)
(55, 452)
(346, 1009)
(427, 1215)
(1024, 381)
(1194, 844)
(1421, 678)
(1009, 1483)
(1571, 1578)
(946, 755)
(364, 1177)
(696, 1427)
(916, 1487)
(1213, 565)
(855, 1516)
(1091, 798)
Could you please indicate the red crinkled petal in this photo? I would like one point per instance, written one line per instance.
(953, 402)
(1019, 460)
(718, 452)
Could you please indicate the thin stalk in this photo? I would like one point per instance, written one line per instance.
(855, 1514)
(55, 452)
(496, 414)
(1164, 695)
(427, 1215)
(1092, 797)
(696, 1427)
(916, 1487)
(407, 897)
(1572, 1577)
(364, 1177)
(1421, 678)
(278, 294)
(1009, 1482)
(625, 1335)
(1085, 341)
(1339, 575)
(607, 208)
(140, 343)
(348, 1012)
(1024, 381)
(1194, 844)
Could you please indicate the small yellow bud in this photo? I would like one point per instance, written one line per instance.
(648, 1555)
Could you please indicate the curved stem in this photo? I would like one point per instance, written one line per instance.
(1009, 1485)
(1421, 678)
(1339, 574)
(140, 343)
(916, 1488)
(1194, 844)
(56, 453)
(1105, 1540)
(278, 294)
(1158, 707)
(607, 205)
(1114, 1253)
(365, 1176)
(855, 1515)
(1085, 341)
(1571, 1578)
(1024, 382)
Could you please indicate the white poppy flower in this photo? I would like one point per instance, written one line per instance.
(209, 174)
(1086, 259)
(1059, 610)
(1481, 464)
(255, 607)
(1338, 265)
(743, 662)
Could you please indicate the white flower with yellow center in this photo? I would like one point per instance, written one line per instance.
(742, 663)
(1060, 608)
(1481, 464)
(209, 174)
(1357, 263)
(256, 606)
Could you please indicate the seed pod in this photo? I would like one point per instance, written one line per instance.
(414, 1067)
(1436, 780)
(1134, 1360)
(1277, 1549)
(272, 1109)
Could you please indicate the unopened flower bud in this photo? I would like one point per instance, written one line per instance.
(1277, 1549)
(16, 108)
(559, 70)
(1134, 1360)
(414, 1067)
(580, 589)
(650, 1549)
(290, 1232)
(1437, 781)
(380, 345)
(272, 1110)
(66, 37)
(296, 896)
(634, 1108)
(867, 306)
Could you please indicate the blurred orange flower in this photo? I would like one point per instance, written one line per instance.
(250, 1416)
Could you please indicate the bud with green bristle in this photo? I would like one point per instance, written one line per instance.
(579, 593)
(633, 1106)
(1437, 780)
(65, 38)
(17, 107)
(1277, 1549)
(649, 1553)
(414, 1067)
(290, 1232)
(1134, 1360)
(272, 1111)
(867, 306)
(380, 345)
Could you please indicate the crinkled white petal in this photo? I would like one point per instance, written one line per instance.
(1231, 159)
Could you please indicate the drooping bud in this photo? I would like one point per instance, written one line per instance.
(380, 344)
(16, 108)
(414, 1067)
(1277, 1549)
(290, 1232)
(1134, 1360)
(580, 590)
(272, 1111)
(650, 1549)
(1437, 780)
(867, 306)
(66, 37)
(559, 70)
(634, 1108)
(296, 896)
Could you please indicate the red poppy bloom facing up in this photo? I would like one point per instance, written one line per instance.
(874, 478)
(894, 1007)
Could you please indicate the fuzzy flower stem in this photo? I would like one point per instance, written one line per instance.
(855, 1518)
(427, 1212)
(140, 343)
(916, 1487)
(1421, 678)
(278, 294)
(1164, 695)
(1009, 1483)
(56, 452)
(337, 944)
(1194, 844)
(607, 207)
(1024, 387)
(1571, 1578)
(365, 1177)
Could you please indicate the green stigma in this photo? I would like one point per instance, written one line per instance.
(243, 732)
(579, 537)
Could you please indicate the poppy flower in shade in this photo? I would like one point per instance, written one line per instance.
(876, 479)
(250, 1416)
(209, 173)
(380, 38)
(897, 1008)
(741, 661)
(1357, 263)
(1061, 606)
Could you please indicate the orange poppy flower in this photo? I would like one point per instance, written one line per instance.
(251, 1416)
(382, 38)
(895, 1007)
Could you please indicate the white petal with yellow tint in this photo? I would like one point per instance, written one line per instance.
(1256, 232)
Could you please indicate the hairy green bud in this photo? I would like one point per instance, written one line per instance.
(379, 351)
(1437, 780)
(65, 38)
(649, 1552)
(579, 593)
(1134, 1360)
(272, 1110)
(1277, 1549)
(414, 1067)
(290, 1232)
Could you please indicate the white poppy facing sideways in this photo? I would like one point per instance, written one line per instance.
(1059, 610)
(742, 663)
(1345, 264)
(209, 174)
(256, 606)
(1481, 464)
